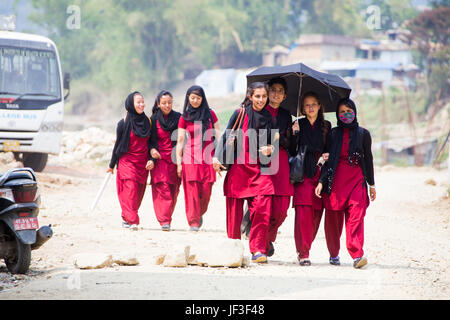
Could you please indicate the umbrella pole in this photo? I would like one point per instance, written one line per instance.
(299, 94)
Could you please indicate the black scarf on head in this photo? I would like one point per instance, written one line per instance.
(167, 124)
(202, 113)
(354, 152)
(313, 139)
(139, 123)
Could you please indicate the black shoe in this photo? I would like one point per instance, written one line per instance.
(271, 250)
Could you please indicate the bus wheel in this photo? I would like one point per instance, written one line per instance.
(35, 160)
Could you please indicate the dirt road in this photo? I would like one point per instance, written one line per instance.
(407, 245)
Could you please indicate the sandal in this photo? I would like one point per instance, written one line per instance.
(359, 262)
(335, 261)
(304, 262)
(259, 257)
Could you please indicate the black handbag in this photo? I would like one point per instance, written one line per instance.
(296, 165)
(229, 148)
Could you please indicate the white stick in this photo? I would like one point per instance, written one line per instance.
(100, 191)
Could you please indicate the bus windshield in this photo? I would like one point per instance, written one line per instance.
(29, 73)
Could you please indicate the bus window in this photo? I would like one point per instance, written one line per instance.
(29, 71)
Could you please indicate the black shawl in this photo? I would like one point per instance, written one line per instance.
(313, 139)
(169, 124)
(261, 122)
(283, 122)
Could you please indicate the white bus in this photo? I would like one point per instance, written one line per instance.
(31, 98)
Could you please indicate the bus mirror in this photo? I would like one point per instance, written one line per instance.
(67, 81)
(66, 84)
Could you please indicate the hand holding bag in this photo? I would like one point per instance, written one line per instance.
(231, 141)
(296, 165)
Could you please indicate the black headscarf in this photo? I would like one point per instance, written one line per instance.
(261, 122)
(202, 113)
(354, 152)
(313, 139)
(139, 123)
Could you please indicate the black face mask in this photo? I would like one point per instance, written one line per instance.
(354, 152)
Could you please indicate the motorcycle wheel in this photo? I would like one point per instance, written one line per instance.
(20, 262)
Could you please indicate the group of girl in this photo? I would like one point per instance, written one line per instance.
(187, 149)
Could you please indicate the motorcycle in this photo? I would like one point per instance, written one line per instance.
(19, 229)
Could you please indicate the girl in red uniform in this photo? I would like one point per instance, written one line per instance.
(280, 174)
(313, 131)
(194, 159)
(245, 179)
(344, 179)
(131, 154)
(164, 179)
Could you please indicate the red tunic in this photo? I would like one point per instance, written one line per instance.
(197, 160)
(244, 178)
(280, 170)
(165, 169)
(348, 185)
(132, 163)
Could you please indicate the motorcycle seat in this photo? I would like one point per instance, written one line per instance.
(17, 175)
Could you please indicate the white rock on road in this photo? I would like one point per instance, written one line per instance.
(177, 256)
(218, 253)
(92, 260)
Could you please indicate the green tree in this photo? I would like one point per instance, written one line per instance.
(335, 17)
(429, 34)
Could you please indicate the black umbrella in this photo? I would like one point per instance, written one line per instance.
(301, 79)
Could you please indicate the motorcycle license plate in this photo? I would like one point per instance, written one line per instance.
(26, 224)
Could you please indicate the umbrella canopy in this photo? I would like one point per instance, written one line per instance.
(301, 79)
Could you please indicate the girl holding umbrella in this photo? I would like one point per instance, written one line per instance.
(194, 160)
(245, 179)
(131, 155)
(344, 180)
(313, 131)
(164, 178)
